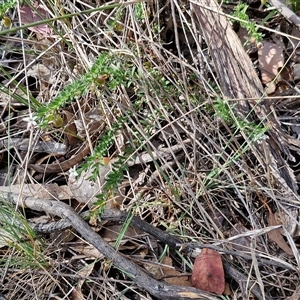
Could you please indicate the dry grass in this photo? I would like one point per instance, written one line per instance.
(205, 181)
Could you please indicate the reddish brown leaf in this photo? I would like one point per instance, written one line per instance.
(208, 272)
(29, 15)
(275, 235)
(270, 58)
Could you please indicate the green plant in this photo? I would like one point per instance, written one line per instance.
(19, 236)
(295, 4)
(139, 11)
(225, 112)
(115, 22)
(241, 16)
(249, 130)
(107, 70)
(6, 5)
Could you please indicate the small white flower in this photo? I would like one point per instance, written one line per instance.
(72, 174)
(31, 123)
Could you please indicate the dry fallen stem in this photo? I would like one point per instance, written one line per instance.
(156, 288)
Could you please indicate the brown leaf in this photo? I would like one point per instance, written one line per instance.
(70, 129)
(175, 277)
(85, 272)
(208, 272)
(276, 236)
(85, 190)
(29, 15)
(270, 58)
(88, 251)
(288, 220)
(62, 166)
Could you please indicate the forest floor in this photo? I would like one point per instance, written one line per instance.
(134, 134)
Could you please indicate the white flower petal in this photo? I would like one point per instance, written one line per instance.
(31, 123)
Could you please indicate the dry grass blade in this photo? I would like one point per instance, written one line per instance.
(295, 296)
(154, 287)
(162, 94)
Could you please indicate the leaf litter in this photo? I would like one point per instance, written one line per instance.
(178, 177)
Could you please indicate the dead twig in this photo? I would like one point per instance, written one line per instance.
(156, 288)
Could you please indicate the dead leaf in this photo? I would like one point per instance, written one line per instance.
(50, 146)
(289, 220)
(85, 272)
(46, 191)
(70, 129)
(111, 234)
(61, 166)
(171, 275)
(41, 72)
(271, 59)
(227, 290)
(286, 74)
(93, 122)
(275, 235)
(208, 272)
(88, 251)
(29, 15)
(85, 190)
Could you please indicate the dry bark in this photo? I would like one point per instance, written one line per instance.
(238, 81)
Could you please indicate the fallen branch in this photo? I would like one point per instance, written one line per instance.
(161, 290)
(175, 243)
(191, 249)
(67, 214)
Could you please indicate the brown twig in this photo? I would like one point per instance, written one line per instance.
(161, 290)
(63, 166)
(173, 242)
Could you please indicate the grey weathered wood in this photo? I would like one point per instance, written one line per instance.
(239, 82)
(159, 289)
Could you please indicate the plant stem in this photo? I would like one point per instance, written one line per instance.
(84, 12)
